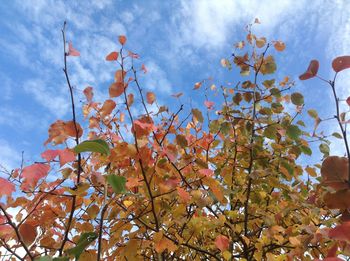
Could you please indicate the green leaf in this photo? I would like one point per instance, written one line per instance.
(306, 150)
(313, 113)
(269, 83)
(117, 183)
(297, 98)
(93, 146)
(337, 135)
(293, 132)
(324, 148)
(198, 115)
(84, 241)
(44, 258)
(62, 258)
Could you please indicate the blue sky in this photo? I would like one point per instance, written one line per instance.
(180, 42)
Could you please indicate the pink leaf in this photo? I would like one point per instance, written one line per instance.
(6, 187)
(209, 104)
(66, 155)
(33, 173)
(72, 51)
(49, 155)
(206, 172)
(222, 243)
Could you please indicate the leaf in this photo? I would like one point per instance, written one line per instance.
(260, 42)
(183, 194)
(122, 39)
(198, 115)
(72, 51)
(117, 183)
(268, 66)
(348, 100)
(206, 172)
(88, 93)
(116, 89)
(341, 232)
(113, 56)
(293, 132)
(341, 63)
(28, 233)
(197, 85)
(337, 135)
(181, 140)
(222, 242)
(66, 156)
(150, 97)
(6, 187)
(84, 241)
(313, 113)
(98, 145)
(339, 199)
(324, 148)
(279, 46)
(334, 170)
(311, 70)
(177, 95)
(33, 173)
(297, 98)
(209, 104)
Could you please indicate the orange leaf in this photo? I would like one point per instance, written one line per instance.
(116, 89)
(107, 107)
(122, 39)
(6, 187)
(184, 195)
(206, 172)
(279, 46)
(151, 97)
(113, 56)
(341, 63)
(130, 99)
(28, 233)
(260, 42)
(338, 200)
(69, 129)
(222, 242)
(334, 171)
(66, 156)
(311, 70)
(88, 93)
(143, 68)
(72, 51)
(197, 85)
(119, 76)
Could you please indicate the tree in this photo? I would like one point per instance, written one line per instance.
(195, 185)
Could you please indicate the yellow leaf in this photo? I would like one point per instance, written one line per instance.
(127, 203)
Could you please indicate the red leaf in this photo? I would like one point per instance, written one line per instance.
(88, 93)
(72, 51)
(6, 187)
(340, 232)
(311, 70)
(33, 173)
(113, 56)
(151, 97)
(341, 63)
(222, 243)
(348, 100)
(122, 39)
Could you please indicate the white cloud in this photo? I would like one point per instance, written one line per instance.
(9, 157)
(156, 79)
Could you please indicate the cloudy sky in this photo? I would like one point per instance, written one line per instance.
(180, 42)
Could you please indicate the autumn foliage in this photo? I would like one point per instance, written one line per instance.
(219, 181)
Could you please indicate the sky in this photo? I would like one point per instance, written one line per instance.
(180, 42)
